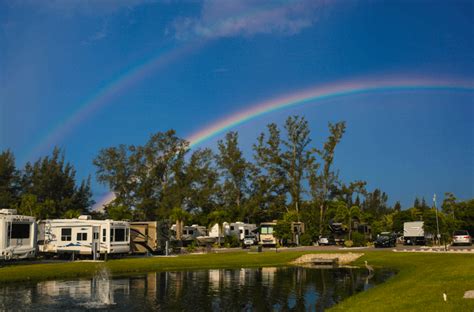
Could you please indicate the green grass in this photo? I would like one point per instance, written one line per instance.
(419, 284)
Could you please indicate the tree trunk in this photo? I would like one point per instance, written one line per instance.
(321, 218)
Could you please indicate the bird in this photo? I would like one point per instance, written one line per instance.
(370, 275)
(369, 267)
(445, 296)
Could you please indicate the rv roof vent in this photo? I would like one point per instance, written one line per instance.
(8, 211)
(85, 217)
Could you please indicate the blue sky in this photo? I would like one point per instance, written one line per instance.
(54, 55)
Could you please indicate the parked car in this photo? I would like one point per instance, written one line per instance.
(326, 241)
(462, 237)
(249, 240)
(386, 239)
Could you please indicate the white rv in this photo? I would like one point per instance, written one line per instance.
(241, 229)
(17, 235)
(414, 233)
(84, 236)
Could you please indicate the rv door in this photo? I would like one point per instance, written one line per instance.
(9, 233)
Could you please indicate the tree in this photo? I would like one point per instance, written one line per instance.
(179, 216)
(9, 180)
(297, 158)
(219, 217)
(347, 214)
(449, 204)
(268, 176)
(322, 182)
(201, 183)
(234, 169)
(52, 181)
(148, 179)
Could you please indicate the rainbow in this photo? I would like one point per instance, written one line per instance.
(317, 95)
(107, 93)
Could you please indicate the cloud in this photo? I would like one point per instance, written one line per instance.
(98, 35)
(229, 18)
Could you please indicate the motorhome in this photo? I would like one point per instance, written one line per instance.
(17, 235)
(83, 236)
(266, 237)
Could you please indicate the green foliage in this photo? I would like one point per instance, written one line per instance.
(9, 180)
(306, 239)
(282, 230)
(358, 239)
(234, 170)
(231, 241)
(118, 212)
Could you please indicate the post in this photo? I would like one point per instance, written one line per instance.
(438, 236)
(166, 247)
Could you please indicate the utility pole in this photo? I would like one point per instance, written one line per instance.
(438, 236)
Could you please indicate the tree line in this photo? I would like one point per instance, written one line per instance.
(288, 179)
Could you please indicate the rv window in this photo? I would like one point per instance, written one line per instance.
(104, 235)
(246, 232)
(127, 233)
(81, 236)
(231, 227)
(119, 235)
(112, 239)
(190, 232)
(96, 235)
(20, 231)
(240, 231)
(66, 234)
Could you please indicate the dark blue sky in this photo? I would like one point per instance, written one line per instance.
(54, 55)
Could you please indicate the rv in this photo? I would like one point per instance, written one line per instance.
(240, 229)
(144, 237)
(17, 235)
(413, 233)
(83, 236)
(266, 237)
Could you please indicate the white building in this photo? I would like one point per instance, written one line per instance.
(84, 236)
(17, 235)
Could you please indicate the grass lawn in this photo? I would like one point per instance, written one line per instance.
(421, 280)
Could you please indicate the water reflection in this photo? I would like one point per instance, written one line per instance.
(277, 289)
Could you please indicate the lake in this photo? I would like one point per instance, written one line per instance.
(255, 289)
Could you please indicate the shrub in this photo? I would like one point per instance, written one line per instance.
(306, 239)
(348, 243)
(231, 241)
(358, 239)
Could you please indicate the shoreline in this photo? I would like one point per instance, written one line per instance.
(420, 281)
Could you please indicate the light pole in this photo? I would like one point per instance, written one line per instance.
(438, 236)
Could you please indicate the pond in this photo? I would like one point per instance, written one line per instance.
(255, 289)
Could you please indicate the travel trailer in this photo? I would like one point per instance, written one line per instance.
(241, 229)
(266, 237)
(83, 236)
(17, 235)
(149, 236)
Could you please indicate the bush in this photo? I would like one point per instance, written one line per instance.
(191, 247)
(348, 243)
(231, 241)
(358, 239)
(306, 239)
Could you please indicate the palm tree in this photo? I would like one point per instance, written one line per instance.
(179, 215)
(219, 217)
(347, 214)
